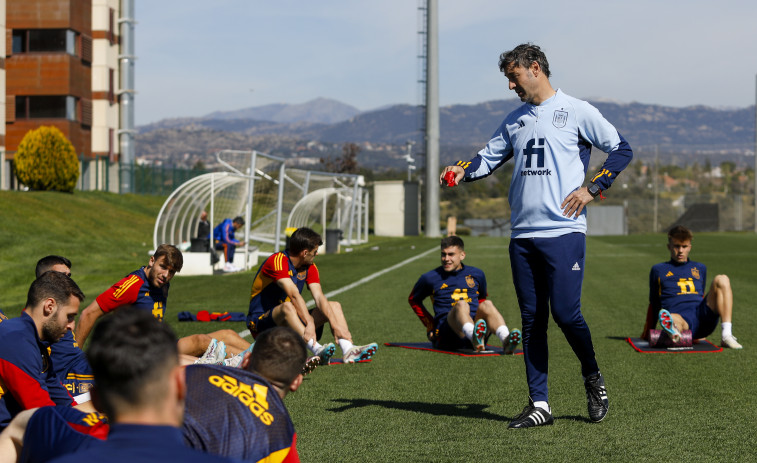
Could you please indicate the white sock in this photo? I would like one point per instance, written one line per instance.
(503, 333)
(726, 327)
(544, 405)
(468, 330)
(345, 345)
(314, 347)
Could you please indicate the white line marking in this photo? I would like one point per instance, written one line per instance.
(361, 281)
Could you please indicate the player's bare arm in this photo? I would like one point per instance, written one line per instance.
(457, 170)
(300, 307)
(86, 407)
(576, 201)
(12, 438)
(87, 320)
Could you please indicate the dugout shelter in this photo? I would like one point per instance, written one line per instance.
(270, 197)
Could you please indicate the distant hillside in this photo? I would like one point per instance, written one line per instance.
(320, 110)
(691, 131)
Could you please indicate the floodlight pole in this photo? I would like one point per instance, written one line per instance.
(432, 121)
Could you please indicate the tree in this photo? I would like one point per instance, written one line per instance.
(347, 163)
(46, 160)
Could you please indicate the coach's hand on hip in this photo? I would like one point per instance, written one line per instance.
(575, 202)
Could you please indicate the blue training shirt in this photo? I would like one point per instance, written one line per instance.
(445, 289)
(550, 145)
(27, 378)
(676, 287)
(247, 419)
(130, 443)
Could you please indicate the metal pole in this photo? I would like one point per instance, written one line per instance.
(248, 211)
(126, 94)
(432, 122)
(212, 213)
(656, 195)
(367, 214)
(351, 219)
(279, 207)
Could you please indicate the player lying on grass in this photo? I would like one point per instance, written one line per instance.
(147, 289)
(677, 298)
(463, 316)
(276, 300)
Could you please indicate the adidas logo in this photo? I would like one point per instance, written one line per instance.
(669, 274)
(576, 267)
(537, 418)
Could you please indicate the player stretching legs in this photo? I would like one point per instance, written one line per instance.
(276, 300)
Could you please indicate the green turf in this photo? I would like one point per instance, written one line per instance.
(419, 406)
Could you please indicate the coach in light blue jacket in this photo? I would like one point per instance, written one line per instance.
(549, 138)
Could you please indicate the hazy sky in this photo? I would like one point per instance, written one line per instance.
(195, 57)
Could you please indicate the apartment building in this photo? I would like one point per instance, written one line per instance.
(61, 68)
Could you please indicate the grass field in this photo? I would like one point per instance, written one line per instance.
(420, 406)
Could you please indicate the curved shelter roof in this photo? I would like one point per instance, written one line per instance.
(261, 189)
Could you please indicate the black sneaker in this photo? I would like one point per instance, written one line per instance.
(596, 397)
(531, 416)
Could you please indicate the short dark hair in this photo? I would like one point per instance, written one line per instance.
(279, 355)
(174, 258)
(130, 353)
(56, 285)
(239, 219)
(454, 240)
(47, 263)
(681, 233)
(304, 239)
(523, 55)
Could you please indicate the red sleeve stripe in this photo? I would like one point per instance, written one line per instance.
(292, 456)
(278, 262)
(98, 431)
(126, 285)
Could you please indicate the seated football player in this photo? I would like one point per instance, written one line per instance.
(677, 295)
(276, 300)
(147, 289)
(463, 316)
(247, 422)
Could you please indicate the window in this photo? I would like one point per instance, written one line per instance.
(111, 86)
(44, 40)
(111, 26)
(46, 107)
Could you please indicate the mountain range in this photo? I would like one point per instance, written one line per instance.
(695, 131)
(320, 110)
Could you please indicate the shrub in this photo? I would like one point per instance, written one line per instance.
(46, 160)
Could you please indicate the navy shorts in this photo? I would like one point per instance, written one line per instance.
(701, 318)
(447, 339)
